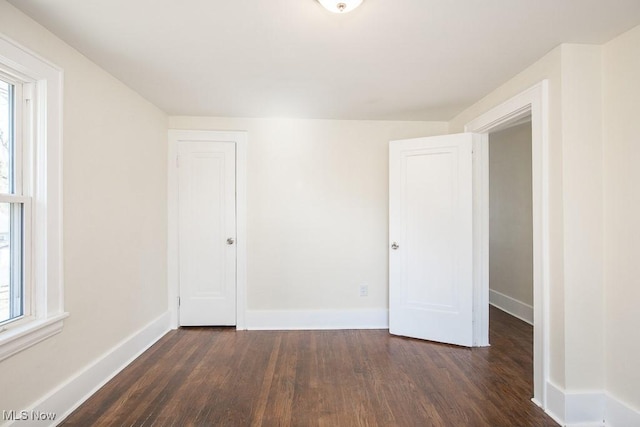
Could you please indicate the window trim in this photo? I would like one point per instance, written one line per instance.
(47, 298)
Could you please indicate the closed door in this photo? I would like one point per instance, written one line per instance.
(431, 242)
(207, 233)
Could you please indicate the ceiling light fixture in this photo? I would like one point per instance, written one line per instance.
(340, 6)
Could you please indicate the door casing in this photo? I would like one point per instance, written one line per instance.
(241, 140)
(533, 102)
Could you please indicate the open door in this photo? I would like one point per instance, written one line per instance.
(431, 240)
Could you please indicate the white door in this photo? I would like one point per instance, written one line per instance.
(431, 242)
(207, 232)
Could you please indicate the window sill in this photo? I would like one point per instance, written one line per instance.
(17, 339)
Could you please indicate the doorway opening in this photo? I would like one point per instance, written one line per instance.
(511, 240)
(511, 220)
(532, 103)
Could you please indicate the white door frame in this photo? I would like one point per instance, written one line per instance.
(534, 102)
(240, 139)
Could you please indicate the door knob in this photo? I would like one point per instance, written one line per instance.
(230, 241)
(394, 246)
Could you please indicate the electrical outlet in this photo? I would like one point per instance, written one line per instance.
(364, 290)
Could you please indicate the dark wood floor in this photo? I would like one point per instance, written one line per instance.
(222, 377)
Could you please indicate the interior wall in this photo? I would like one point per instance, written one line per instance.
(621, 94)
(317, 200)
(583, 216)
(114, 231)
(575, 288)
(510, 213)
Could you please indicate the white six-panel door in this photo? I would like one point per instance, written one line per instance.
(207, 233)
(431, 242)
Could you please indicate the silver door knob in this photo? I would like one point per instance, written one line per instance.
(394, 246)
(230, 241)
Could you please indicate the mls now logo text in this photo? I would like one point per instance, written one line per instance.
(28, 416)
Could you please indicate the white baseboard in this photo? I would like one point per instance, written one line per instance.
(584, 409)
(67, 397)
(317, 319)
(589, 409)
(619, 414)
(512, 306)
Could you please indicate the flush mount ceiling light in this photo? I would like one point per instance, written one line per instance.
(340, 6)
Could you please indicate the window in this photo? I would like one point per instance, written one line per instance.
(13, 298)
(31, 303)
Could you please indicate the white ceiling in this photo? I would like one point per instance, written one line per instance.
(387, 60)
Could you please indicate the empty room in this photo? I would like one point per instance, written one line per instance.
(319, 213)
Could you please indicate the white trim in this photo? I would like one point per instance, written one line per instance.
(43, 160)
(588, 408)
(65, 398)
(173, 274)
(241, 140)
(241, 229)
(534, 102)
(12, 198)
(317, 319)
(21, 58)
(510, 305)
(27, 334)
(619, 414)
(480, 240)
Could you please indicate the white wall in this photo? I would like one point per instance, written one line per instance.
(621, 94)
(317, 201)
(583, 216)
(510, 213)
(114, 181)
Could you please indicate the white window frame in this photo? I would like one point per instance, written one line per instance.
(42, 149)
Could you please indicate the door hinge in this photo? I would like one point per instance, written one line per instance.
(177, 161)
(178, 301)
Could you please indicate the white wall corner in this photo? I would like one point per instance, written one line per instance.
(67, 397)
(619, 414)
(317, 319)
(512, 306)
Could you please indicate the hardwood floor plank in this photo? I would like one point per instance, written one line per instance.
(265, 388)
(223, 377)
